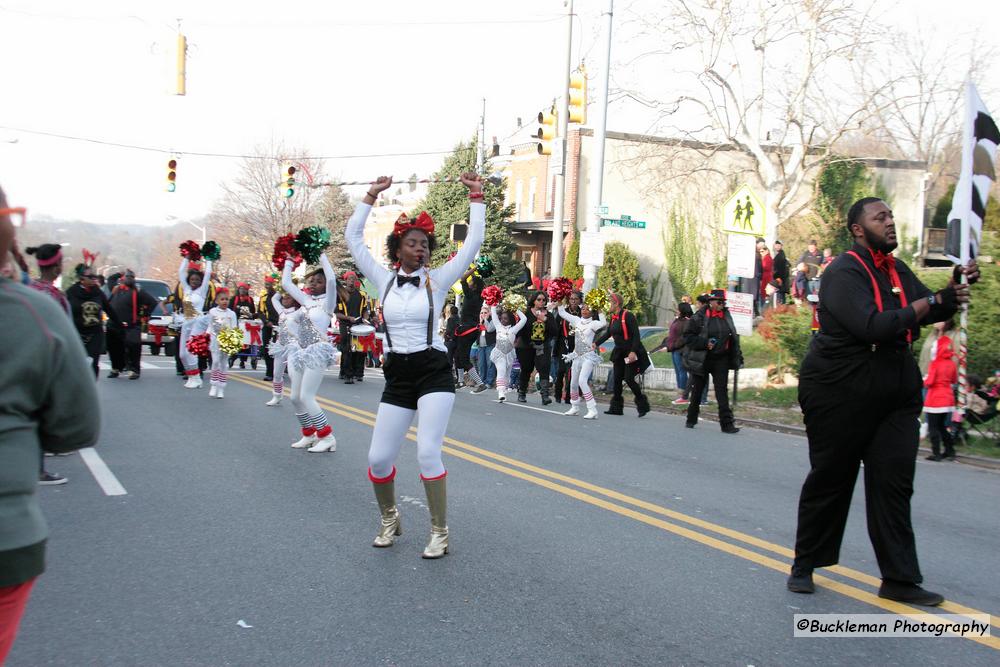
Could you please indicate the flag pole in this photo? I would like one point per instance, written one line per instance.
(963, 319)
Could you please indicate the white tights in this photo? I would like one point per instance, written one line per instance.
(305, 384)
(279, 374)
(220, 364)
(391, 426)
(581, 370)
(503, 375)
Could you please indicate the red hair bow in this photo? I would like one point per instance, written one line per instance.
(424, 223)
(89, 257)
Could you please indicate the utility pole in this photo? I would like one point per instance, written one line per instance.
(181, 82)
(481, 162)
(556, 261)
(596, 189)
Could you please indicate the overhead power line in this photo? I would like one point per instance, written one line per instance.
(159, 149)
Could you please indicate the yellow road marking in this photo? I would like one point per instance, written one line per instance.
(481, 457)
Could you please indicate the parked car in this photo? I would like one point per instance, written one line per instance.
(157, 328)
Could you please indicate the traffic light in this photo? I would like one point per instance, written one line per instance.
(546, 131)
(288, 180)
(578, 96)
(172, 174)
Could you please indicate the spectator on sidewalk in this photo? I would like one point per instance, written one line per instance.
(39, 414)
(813, 261)
(780, 269)
(674, 344)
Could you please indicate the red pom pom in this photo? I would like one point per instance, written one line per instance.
(559, 289)
(198, 345)
(191, 250)
(492, 295)
(283, 248)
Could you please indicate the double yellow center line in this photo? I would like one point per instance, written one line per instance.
(653, 515)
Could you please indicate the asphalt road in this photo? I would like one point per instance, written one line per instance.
(616, 542)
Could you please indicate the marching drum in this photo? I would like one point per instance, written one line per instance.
(362, 337)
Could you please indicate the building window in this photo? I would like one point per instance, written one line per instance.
(532, 191)
(518, 194)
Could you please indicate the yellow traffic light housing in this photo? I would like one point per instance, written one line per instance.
(172, 174)
(288, 180)
(578, 97)
(546, 131)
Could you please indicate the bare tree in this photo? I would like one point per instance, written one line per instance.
(759, 77)
(918, 96)
(254, 212)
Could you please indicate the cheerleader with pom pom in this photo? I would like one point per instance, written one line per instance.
(287, 335)
(219, 319)
(312, 353)
(503, 352)
(583, 357)
(194, 283)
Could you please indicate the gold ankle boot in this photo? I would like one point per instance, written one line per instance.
(437, 502)
(390, 526)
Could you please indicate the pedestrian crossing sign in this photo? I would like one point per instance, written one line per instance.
(744, 213)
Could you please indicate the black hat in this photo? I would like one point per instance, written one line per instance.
(717, 295)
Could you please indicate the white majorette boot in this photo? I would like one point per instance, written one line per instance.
(275, 399)
(591, 410)
(220, 391)
(574, 409)
(193, 382)
(307, 440)
(214, 391)
(325, 444)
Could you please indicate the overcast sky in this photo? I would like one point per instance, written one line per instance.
(339, 78)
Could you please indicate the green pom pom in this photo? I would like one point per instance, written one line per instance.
(311, 242)
(484, 266)
(211, 251)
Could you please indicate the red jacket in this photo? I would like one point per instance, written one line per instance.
(941, 376)
(766, 272)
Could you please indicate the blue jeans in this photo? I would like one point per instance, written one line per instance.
(487, 369)
(679, 371)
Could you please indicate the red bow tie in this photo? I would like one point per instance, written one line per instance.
(719, 314)
(615, 317)
(884, 262)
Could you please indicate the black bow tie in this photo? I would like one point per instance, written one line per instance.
(402, 280)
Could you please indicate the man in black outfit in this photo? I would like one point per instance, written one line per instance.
(129, 305)
(269, 315)
(860, 392)
(467, 331)
(629, 358)
(780, 271)
(712, 330)
(351, 305)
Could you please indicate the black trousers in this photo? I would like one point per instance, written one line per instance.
(266, 333)
(124, 348)
(463, 347)
(352, 364)
(869, 414)
(563, 381)
(718, 371)
(627, 373)
(539, 359)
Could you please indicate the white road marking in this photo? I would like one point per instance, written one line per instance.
(144, 365)
(532, 407)
(102, 473)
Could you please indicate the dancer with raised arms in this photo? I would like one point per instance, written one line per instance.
(194, 283)
(417, 374)
(583, 357)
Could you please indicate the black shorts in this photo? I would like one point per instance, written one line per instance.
(410, 376)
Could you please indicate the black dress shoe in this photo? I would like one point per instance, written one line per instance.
(268, 378)
(901, 591)
(688, 425)
(521, 398)
(933, 457)
(113, 374)
(730, 429)
(546, 400)
(349, 381)
(801, 580)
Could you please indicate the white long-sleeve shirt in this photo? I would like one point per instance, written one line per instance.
(586, 329)
(194, 297)
(287, 326)
(506, 335)
(405, 308)
(316, 310)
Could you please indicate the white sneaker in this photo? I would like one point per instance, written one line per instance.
(306, 441)
(502, 398)
(327, 444)
(575, 410)
(591, 413)
(219, 392)
(275, 399)
(193, 382)
(213, 392)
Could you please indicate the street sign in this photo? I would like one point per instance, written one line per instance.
(602, 210)
(741, 260)
(744, 213)
(625, 221)
(741, 308)
(591, 249)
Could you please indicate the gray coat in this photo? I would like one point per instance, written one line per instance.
(48, 401)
